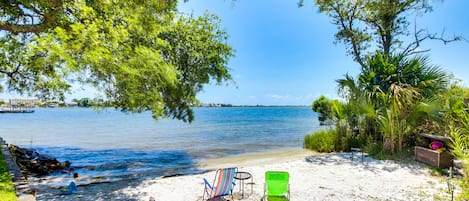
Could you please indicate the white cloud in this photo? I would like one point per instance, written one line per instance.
(279, 97)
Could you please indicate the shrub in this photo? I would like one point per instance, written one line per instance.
(358, 140)
(376, 151)
(321, 141)
(331, 140)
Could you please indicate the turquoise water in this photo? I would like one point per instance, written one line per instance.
(116, 144)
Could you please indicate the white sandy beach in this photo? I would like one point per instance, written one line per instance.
(312, 177)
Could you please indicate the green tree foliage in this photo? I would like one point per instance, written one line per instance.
(201, 56)
(382, 72)
(395, 96)
(456, 124)
(390, 98)
(398, 87)
(324, 107)
(22, 70)
(83, 102)
(33, 16)
(343, 120)
(143, 55)
(395, 87)
(95, 102)
(385, 100)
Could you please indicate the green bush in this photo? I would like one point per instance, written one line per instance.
(321, 141)
(331, 140)
(376, 151)
(358, 141)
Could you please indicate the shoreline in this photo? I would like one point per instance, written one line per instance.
(254, 158)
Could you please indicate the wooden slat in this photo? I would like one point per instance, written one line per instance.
(435, 137)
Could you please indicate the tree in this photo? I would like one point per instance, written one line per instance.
(395, 87)
(383, 74)
(323, 107)
(392, 84)
(84, 102)
(366, 26)
(32, 16)
(201, 56)
(143, 55)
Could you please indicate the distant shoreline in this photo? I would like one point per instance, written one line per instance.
(202, 106)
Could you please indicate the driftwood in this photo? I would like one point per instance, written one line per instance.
(32, 162)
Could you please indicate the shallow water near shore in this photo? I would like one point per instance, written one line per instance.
(113, 146)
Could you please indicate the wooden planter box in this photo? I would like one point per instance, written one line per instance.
(433, 158)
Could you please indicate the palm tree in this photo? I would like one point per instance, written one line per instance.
(393, 85)
(384, 75)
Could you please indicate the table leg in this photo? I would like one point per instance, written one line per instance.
(242, 187)
(252, 184)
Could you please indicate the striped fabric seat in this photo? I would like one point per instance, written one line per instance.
(222, 184)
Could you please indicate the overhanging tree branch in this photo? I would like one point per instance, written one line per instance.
(422, 35)
(17, 29)
(48, 15)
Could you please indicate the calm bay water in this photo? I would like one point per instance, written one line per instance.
(115, 144)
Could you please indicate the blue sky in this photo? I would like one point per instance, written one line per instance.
(286, 55)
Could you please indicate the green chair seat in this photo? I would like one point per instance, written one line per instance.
(277, 186)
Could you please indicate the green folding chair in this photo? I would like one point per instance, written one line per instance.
(277, 187)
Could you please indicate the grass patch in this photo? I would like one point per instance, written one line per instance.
(438, 171)
(332, 140)
(7, 190)
(321, 141)
(376, 151)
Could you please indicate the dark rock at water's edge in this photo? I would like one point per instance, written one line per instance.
(32, 162)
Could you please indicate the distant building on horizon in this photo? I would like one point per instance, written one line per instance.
(22, 103)
(18, 105)
(71, 104)
(217, 105)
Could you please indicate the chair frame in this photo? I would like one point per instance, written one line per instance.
(210, 190)
(265, 196)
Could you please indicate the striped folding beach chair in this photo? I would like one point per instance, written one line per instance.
(222, 185)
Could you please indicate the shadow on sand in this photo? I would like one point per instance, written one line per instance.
(368, 163)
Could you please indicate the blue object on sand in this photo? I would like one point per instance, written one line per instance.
(70, 189)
